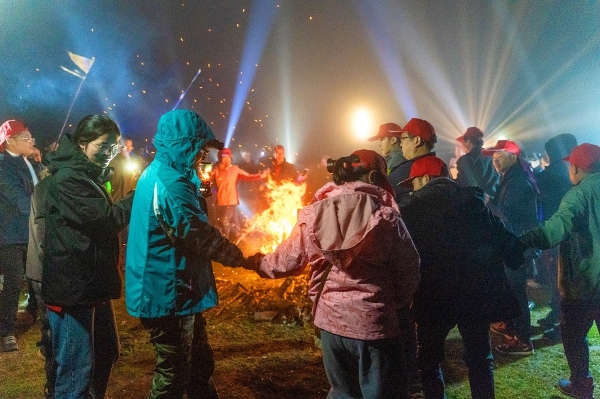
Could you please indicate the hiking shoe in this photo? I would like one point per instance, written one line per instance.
(516, 347)
(581, 389)
(501, 329)
(9, 344)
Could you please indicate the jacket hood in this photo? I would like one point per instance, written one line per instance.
(69, 155)
(180, 135)
(331, 189)
(344, 215)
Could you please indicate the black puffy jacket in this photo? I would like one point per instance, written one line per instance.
(81, 245)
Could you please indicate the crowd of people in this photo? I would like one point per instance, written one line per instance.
(399, 252)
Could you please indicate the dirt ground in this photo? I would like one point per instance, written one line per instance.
(263, 343)
(264, 348)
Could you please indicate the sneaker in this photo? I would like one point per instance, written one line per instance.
(516, 347)
(9, 344)
(582, 389)
(501, 329)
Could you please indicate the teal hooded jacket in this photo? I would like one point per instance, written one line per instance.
(171, 243)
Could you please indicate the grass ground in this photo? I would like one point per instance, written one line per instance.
(278, 360)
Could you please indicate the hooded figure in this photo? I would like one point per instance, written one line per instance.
(363, 267)
(553, 181)
(169, 276)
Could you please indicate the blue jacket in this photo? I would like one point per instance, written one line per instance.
(16, 189)
(169, 250)
(516, 200)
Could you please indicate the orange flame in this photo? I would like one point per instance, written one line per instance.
(274, 224)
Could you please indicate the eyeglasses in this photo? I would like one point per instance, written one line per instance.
(110, 149)
(29, 139)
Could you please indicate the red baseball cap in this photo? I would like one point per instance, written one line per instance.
(224, 151)
(471, 133)
(502, 145)
(387, 130)
(371, 160)
(585, 156)
(11, 128)
(427, 165)
(420, 128)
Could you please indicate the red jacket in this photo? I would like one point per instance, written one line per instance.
(226, 180)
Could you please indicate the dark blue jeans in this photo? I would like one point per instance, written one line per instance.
(363, 369)
(85, 345)
(12, 266)
(184, 358)
(431, 336)
(577, 318)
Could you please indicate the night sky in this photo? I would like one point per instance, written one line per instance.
(523, 70)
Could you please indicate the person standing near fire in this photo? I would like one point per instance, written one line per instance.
(225, 177)
(280, 169)
(363, 267)
(169, 279)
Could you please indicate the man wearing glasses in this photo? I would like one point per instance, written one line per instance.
(417, 139)
(17, 178)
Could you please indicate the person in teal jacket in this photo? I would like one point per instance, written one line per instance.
(169, 277)
(575, 227)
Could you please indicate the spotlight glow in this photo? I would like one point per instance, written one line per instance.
(261, 20)
(362, 124)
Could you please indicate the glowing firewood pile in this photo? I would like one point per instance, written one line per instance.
(282, 300)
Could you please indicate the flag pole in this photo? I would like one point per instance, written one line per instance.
(71, 107)
(186, 90)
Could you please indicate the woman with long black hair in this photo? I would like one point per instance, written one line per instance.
(80, 254)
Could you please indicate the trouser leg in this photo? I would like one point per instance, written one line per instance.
(576, 321)
(431, 336)
(362, 368)
(72, 343)
(172, 340)
(408, 336)
(201, 384)
(479, 359)
(518, 282)
(341, 367)
(12, 261)
(106, 348)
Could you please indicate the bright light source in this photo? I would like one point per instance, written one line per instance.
(362, 123)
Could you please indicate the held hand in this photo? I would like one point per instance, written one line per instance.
(265, 173)
(252, 262)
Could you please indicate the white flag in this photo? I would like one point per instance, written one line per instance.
(72, 72)
(83, 63)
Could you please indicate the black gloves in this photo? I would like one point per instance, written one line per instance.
(252, 262)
